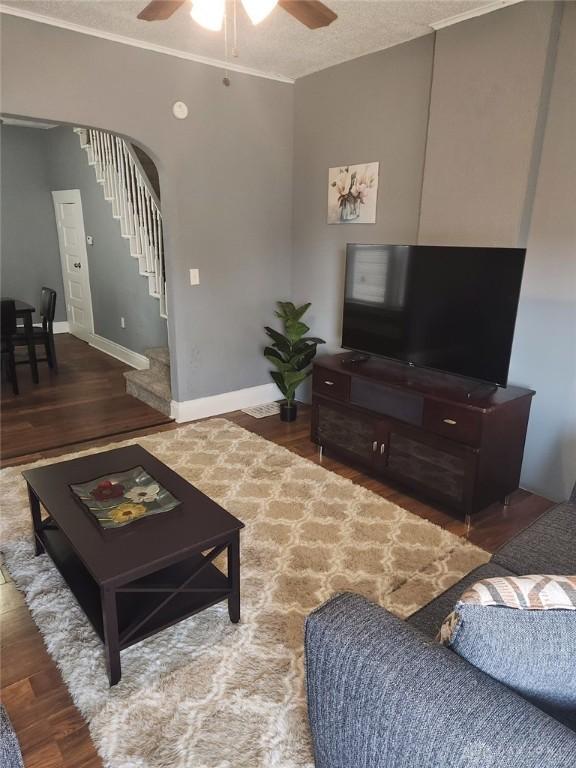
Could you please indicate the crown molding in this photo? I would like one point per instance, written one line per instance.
(16, 121)
(123, 40)
(473, 13)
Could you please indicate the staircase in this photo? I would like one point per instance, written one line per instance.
(152, 386)
(134, 202)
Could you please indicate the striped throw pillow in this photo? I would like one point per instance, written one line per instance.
(530, 593)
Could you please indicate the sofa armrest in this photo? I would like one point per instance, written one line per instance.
(383, 695)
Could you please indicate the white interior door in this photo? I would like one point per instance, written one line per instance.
(72, 239)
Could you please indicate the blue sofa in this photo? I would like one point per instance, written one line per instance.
(382, 693)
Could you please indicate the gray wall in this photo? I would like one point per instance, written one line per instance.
(487, 85)
(372, 109)
(116, 287)
(225, 175)
(29, 253)
(544, 354)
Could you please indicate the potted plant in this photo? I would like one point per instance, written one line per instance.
(290, 353)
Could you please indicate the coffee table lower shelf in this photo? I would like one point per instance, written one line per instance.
(144, 606)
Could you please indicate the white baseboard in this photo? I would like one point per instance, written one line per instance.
(127, 356)
(59, 326)
(203, 407)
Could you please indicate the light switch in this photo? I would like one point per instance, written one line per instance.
(194, 277)
(89, 239)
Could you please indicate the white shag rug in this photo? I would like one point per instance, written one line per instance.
(207, 693)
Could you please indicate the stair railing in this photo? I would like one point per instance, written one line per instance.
(134, 203)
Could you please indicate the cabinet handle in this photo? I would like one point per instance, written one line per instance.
(449, 421)
(329, 383)
(382, 449)
(375, 446)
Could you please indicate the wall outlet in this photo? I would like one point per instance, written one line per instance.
(122, 322)
(89, 239)
(194, 277)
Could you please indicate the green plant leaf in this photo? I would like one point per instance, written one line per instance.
(294, 378)
(273, 352)
(286, 310)
(302, 343)
(299, 311)
(280, 383)
(279, 363)
(279, 340)
(295, 330)
(303, 359)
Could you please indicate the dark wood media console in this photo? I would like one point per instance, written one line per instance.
(449, 439)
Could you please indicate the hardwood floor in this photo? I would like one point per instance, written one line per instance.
(85, 400)
(50, 729)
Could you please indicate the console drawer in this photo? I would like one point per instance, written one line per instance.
(330, 383)
(459, 424)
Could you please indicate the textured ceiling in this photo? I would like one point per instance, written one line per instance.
(277, 46)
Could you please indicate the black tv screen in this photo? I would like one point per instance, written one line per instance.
(448, 308)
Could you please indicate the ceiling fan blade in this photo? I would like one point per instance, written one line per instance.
(159, 10)
(311, 13)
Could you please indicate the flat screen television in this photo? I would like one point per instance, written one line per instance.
(448, 308)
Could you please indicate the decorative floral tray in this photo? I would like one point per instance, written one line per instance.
(118, 499)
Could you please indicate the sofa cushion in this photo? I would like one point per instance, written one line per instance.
(522, 632)
(547, 546)
(429, 618)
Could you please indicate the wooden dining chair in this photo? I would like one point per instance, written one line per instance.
(7, 332)
(44, 335)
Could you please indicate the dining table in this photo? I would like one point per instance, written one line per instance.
(24, 312)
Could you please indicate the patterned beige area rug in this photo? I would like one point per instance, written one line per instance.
(207, 693)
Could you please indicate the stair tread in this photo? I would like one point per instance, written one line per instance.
(149, 380)
(162, 354)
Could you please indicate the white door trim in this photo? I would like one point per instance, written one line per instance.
(73, 196)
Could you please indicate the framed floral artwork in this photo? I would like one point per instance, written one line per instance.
(352, 194)
(121, 498)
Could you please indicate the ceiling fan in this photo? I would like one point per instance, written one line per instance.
(210, 13)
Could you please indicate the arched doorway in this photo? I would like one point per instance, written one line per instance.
(125, 271)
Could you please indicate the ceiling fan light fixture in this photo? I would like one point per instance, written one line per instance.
(208, 13)
(258, 10)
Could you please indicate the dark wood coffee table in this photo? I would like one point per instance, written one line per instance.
(134, 581)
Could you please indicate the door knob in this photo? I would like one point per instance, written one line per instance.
(78, 265)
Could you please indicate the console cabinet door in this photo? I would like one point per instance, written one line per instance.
(442, 470)
(347, 431)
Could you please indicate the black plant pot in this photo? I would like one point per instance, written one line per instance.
(288, 411)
